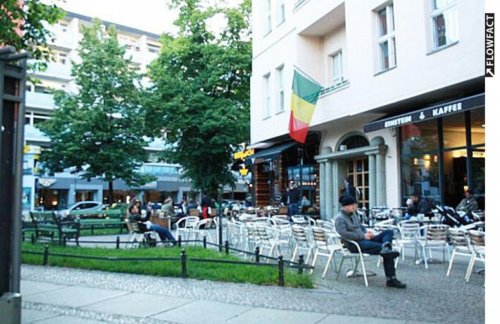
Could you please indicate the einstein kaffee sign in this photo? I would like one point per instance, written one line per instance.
(433, 112)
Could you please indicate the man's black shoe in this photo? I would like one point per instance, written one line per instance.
(387, 253)
(395, 283)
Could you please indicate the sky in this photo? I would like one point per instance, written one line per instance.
(149, 15)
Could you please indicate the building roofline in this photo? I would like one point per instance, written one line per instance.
(118, 26)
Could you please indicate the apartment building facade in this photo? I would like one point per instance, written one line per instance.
(402, 109)
(64, 189)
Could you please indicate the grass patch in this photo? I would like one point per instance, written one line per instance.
(260, 275)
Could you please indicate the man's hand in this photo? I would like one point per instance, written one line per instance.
(369, 235)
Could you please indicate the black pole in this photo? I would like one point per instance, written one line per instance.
(184, 263)
(117, 242)
(179, 241)
(301, 264)
(32, 238)
(219, 230)
(281, 271)
(45, 255)
(257, 254)
(204, 242)
(226, 247)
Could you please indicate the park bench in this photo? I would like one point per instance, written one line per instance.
(111, 218)
(48, 224)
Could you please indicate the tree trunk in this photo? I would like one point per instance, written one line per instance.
(110, 192)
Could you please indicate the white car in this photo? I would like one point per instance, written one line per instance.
(81, 205)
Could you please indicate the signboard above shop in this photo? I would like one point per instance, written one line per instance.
(437, 111)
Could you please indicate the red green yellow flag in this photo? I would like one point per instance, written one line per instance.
(305, 93)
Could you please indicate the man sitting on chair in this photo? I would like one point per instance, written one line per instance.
(349, 227)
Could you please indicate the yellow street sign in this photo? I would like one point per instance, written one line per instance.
(243, 154)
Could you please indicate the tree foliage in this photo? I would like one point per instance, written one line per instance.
(23, 27)
(201, 91)
(99, 131)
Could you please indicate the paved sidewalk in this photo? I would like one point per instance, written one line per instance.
(58, 295)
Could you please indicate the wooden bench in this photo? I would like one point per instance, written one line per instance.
(111, 218)
(48, 224)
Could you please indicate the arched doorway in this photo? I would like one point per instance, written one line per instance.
(357, 168)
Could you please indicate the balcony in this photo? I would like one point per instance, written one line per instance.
(56, 71)
(39, 100)
(33, 134)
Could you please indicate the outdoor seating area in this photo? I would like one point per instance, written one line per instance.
(299, 235)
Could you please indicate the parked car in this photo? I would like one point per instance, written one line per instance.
(81, 205)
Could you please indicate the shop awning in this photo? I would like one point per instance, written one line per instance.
(437, 111)
(273, 151)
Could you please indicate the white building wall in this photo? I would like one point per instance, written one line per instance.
(418, 69)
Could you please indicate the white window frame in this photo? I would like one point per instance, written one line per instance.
(337, 76)
(62, 58)
(280, 14)
(267, 95)
(280, 89)
(389, 38)
(449, 9)
(268, 22)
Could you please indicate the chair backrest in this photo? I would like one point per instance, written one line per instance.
(436, 232)
(327, 225)
(205, 223)
(319, 235)
(409, 229)
(300, 235)
(283, 211)
(187, 222)
(458, 237)
(477, 238)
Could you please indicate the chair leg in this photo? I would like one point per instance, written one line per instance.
(364, 270)
(314, 262)
(470, 267)
(340, 267)
(451, 264)
(327, 265)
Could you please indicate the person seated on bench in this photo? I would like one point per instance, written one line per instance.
(349, 227)
(141, 216)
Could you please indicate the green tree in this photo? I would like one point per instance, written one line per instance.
(201, 92)
(99, 131)
(23, 27)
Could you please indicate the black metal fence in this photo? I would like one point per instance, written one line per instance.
(278, 262)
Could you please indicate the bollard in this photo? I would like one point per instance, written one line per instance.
(281, 271)
(226, 247)
(46, 255)
(301, 264)
(64, 241)
(257, 254)
(204, 242)
(184, 263)
(118, 242)
(32, 238)
(179, 241)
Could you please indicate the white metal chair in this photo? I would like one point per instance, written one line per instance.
(185, 226)
(477, 244)
(410, 233)
(301, 242)
(235, 234)
(460, 245)
(325, 246)
(434, 236)
(266, 241)
(358, 256)
(202, 229)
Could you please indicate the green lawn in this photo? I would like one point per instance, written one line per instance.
(260, 275)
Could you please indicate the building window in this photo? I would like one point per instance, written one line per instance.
(267, 95)
(280, 75)
(386, 42)
(444, 19)
(153, 48)
(268, 20)
(63, 26)
(337, 68)
(281, 11)
(62, 58)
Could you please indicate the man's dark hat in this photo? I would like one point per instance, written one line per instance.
(347, 200)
